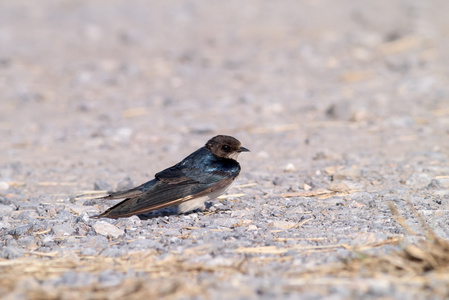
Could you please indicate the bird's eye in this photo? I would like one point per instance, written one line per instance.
(225, 148)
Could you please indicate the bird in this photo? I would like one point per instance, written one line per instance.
(203, 175)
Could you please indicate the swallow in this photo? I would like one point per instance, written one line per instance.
(203, 175)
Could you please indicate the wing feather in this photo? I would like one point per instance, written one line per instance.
(162, 195)
(197, 175)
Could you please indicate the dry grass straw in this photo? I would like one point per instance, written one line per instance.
(168, 277)
(424, 265)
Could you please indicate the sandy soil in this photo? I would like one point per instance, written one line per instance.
(344, 105)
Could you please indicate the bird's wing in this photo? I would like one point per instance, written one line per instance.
(163, 195)
(171, 187)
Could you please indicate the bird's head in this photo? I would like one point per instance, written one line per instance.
(225, 146)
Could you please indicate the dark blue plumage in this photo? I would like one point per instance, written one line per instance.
(203, 175)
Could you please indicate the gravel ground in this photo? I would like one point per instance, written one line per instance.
(344, 105)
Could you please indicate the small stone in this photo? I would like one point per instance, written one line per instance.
(123, 135)
(89, 251)
(5, 209)
(4, 185)
(252, 227)
(11, 252)
(439, 183)
(4, 225)
(109, 279)
(340, 110)
(359, 116)
(97, 242)
(363, 197)
(145, 244)
(27, 215)
(101, 185)
(225, 222)
(282, 224)
(64, 216)
(289, 168)
(130, 222)
(125, 184)
(113, 252)
(320, 155)
(107, 229)
(63, 229)
(135, 220)
(26, 241)
(419, 180)
(11, 241)
(307, 187)
(28, 206)
(83, 217)
(21, 231)
(6, 201)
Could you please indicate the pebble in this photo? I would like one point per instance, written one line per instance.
(28, 215)
(4, 185)
(252, 227)
(123, 135)
(101, 185)
(5, 209)
(225, 222)
(28, 206)
(83, 217)
(26, 241)
(113, 252)
(11, 252)
(21, 231)
(283, 224)
(64, 216)
(6, 201)
(125, 184)
(439, 183)
(74, 279)
(145, 244)
(63, 229)
(97, 242)
(109, 278)
(340, 110)
(88, 251)
(289, 168)
(4, 225)
(107, 229)
(419, 180)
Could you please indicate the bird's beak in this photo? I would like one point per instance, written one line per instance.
(243, 149)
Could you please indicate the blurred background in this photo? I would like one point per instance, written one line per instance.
(106, 89)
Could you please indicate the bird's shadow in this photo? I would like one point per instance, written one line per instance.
(172, 211)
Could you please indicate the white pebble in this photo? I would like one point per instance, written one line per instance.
(289, 167)
(4, 185)
(107, 229)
